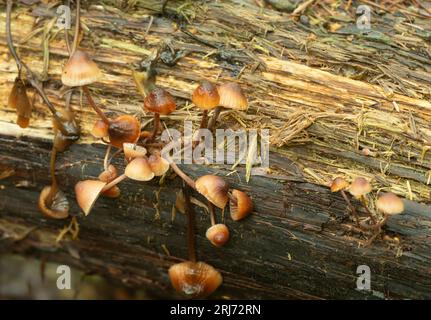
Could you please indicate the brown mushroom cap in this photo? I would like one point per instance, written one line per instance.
(339, 184)
(107, 176)
(232, 97)
(214, 188)
(240, 205)
(194, 279)
(160, 101)
(124, 128)
(132, 151)
(18, 100)
(390, 204)
(100, 129)
(360, 187)
(87, 192)
(59, 208)
(80, 70)
(113, 192)
(139, 169)
(218, 234)
(206, 96)
(158, 164)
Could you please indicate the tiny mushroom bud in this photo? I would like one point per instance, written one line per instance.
(214, 188)
(218, 234)
(232, 97)
(87, 192)
(360, 187)
(339, 184)
(158, 164)
(18, 100)
(194, 279)
(132, 151)
(59, 208)
(139, 169)
(100, 129)
(80, 70)
(124, 128)
(390, 204)
(240, 205)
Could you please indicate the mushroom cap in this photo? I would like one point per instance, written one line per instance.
(124, 128)
(158, 164)
(113, 192)
(132, 151)
(214, 188)
(389, 203)
(100, 129)
(339, 184)
(80, 70)
(160, 101)
(108, 175)
(360, 187)
(206, 96)
(87, 192)
(139, 169)
(218, 234)
(194, 279)
(243, 206)
(18, 100)
(59, 208)
(232, 96)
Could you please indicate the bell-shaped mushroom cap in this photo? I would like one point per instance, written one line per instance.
(218, 234)
(360, 187)
(213, 188)
(206, 96)
(18, 100)
(59, 209)
(389, 203)
(108, 175)
(240, 205)
(139, 169)
(160, 101)
(232, 97)
(339, 184)
(194, 279)
(100, 129)
(158, 164)
(87, 192)
(122, 129)
(80, 70)
(132, 151)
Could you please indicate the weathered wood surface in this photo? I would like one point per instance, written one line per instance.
(301, 82)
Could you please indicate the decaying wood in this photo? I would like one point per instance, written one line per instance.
(324, 95)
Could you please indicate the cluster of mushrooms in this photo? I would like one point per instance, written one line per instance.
(142, 154)
(386, 204)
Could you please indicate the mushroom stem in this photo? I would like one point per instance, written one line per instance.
(182, 175)
(190, 224)
(212, 214)
(213, 119)
(54, 184)
(105, 160)
(351, 207)
(204, 119)
(114, 182)
(156, 126)
(94, 106)
(77, 22)
(376, 225)
(362, 199)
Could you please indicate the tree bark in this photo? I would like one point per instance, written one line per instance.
(324, 95)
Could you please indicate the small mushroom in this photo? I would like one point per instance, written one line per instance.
(107, 176)
(80, 70)
(206, 97)
(214, 188)
(100, 129)
(218, 233)
(340, 185)
(160, 102)
(87, 192)
(123, 129)
(390, 204)
(240, 205)
(132, 151)
(158, 164)
(18, 100)
(59, 207)
(360, 187)
(231, 97)
(194, 279)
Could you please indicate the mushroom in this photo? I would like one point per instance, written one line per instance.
(218, 233)
(359, 188)
(205, 97)
(194, 279)
(132, 151)
(107, 176)
(240, 205)
(18, 100)
(160, 102)
(231, 97)
(214, 188)
(158, 164)
(100, 129)
(59, 206)
(340, 185)
(390, 204)
(123, 129)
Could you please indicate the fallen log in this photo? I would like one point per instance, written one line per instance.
(319, 93)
